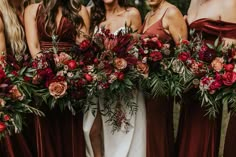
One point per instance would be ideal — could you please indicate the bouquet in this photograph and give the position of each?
(160, 78)
(56, 76)
(15, 95)
(116, 74)
(212, 70)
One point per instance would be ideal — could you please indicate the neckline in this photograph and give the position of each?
(208, 19)
(149, 26)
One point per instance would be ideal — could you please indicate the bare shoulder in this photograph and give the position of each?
(32, 9)
(89, 10)
(83, 10)
(173, 12)
(132, 12)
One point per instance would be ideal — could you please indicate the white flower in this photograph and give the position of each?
(70, 74)
(90, 68)
(144, 60)
(145, 51)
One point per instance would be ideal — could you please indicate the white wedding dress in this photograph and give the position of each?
(122, 143)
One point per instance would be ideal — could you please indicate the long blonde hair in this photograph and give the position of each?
(14, 32)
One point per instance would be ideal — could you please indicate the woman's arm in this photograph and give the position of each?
(175, 24)
(84, 30)
(31, 30)
(135, 19)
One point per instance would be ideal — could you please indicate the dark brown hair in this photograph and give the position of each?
(70, 9)
(98, 12)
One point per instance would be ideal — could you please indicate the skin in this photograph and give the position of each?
(116, 17)
(173, 21)
(213, 9)
(32, 32)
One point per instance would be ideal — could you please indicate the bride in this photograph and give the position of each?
(100, 141)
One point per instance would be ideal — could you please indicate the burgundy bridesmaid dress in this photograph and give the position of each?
(198, 135)
(58, 134)
(159, 111)
(21, 144)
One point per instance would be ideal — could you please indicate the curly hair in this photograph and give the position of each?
(70, 9)
(98, 12)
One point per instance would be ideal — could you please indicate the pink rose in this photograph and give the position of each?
(16, 94)
(217, 64)
(143, 68)
(229, 78)
(2, 102)
(58, 89)
(184, 56)
(61, 59)
(120, 63)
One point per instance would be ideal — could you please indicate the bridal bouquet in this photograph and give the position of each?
(117, 73)
(157, 57)
(15, 95)
(212, 71)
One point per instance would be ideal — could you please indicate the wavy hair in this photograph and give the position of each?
(70, 9)
(14, 31)
(98, 12)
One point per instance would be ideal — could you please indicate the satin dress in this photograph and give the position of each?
(122, 143)
(58, 134)
(159, 110)
(199, 136)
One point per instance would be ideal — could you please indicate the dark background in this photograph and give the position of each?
(141, 5)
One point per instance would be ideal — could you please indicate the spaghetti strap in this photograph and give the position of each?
(38, 10)
(164, 13)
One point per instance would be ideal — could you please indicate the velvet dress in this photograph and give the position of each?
(159, 110)
(198, 135)
(58, 134)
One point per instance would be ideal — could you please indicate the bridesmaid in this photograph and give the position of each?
(12, 41)
(166, 21)
(59, 134)
(113, 15)
(198, 135)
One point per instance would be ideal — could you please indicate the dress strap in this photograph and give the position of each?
(164, 13)
(38, 10)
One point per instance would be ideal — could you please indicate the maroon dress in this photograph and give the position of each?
(58, 134)
(198, 135)
(21, 144)
(159, 111)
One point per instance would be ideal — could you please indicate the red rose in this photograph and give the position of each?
(2, 74)
(88, 77)
(184, 56)
(229, 67)
(27, 79)
(81, 82)
(120, 75)
(84, 44)
(14, 73)
(185, 42)
(2, 126)
(229, 78)
(215, 85)
(6, 117)
(156, 56)
(72, 64)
